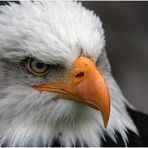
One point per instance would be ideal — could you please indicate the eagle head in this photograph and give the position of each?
(55, 77)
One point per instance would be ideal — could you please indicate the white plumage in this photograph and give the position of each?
(55, 33)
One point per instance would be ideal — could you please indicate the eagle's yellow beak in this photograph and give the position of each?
(85, 84)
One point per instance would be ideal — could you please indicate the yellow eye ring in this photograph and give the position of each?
(36, 67)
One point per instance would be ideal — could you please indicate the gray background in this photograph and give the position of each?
(126, 30)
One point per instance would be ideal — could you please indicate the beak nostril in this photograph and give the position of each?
(80, 74)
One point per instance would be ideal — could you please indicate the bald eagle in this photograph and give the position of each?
(56, 83)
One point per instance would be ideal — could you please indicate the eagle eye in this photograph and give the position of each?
(36, 67)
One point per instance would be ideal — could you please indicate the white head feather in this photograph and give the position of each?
(56, 33)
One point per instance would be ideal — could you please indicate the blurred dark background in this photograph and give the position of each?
(126, 30)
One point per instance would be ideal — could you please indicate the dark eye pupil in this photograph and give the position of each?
(39, 65)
